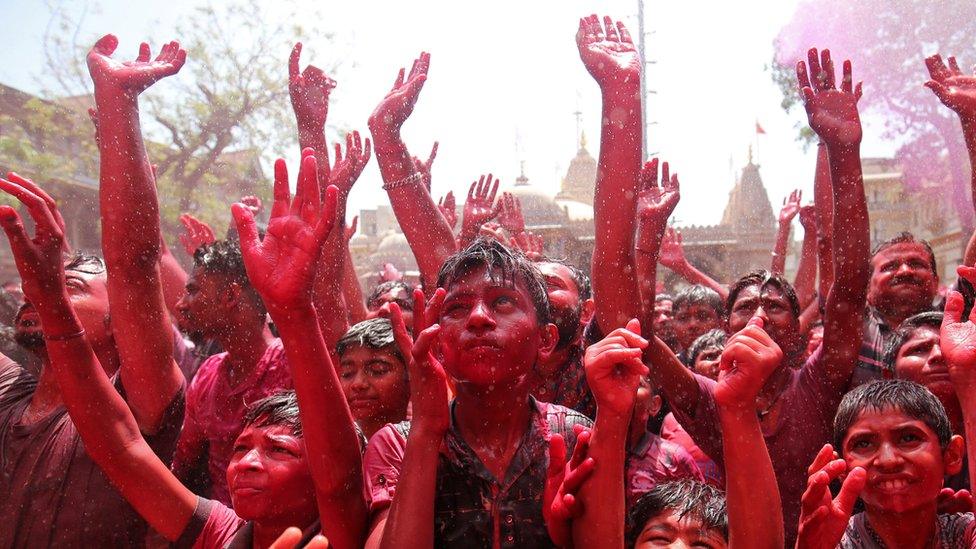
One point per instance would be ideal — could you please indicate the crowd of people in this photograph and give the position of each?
(510, 399)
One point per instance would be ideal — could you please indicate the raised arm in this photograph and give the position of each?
(655, 203)
(430, 238)
(673, 257)
(958, 92)
(479, 208)
(107, 426)
(352, 292)
(833, 115)
(754, 505)
(824, 518)
(791, 207)
(610, 57)
(823, 201)
(958, 341)
(309, 91)
(282, 269)
(130, 228)
(806, 271)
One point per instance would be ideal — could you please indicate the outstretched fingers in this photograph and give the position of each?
(282, 195)
(247, 229)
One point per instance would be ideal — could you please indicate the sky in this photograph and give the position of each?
(506, 79)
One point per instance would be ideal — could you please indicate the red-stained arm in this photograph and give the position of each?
(833, 115)
(172, 277)
(282, 270)
(609, 55)
(479, 208)
(430, 238)
(130, 228)
(791, 206)
(806, 271)
(823, 201)
(352, 292)
(958, 92)
(655, 203)
(959, 335)
(673, 257)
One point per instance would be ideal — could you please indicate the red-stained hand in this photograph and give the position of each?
(958, 340)
(791, 207)
(197, 234)
(346, 170)
(309, 91)
(749, 357)
(955, 89)
(494, 230)
(396, 107)
(531, 244)
(832, 113)
(52, 206)
(608, 52)
(563, 480)
(480, 206)
(93, 116)
(253, 203)
(672, 250)
(130, 78)
(292, 536)
(351, 229)
(39, 259)
(282, 266)
(448, 208)
(954, 501)
(428, 381)
(808, 218)
(656, 202)
(510, 216)
(822, 519)
(424, 167)
(614, 368)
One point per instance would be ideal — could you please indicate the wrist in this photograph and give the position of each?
(292, 314)
(742, 409)
(626, 88)
(612, 424)
(108, 97)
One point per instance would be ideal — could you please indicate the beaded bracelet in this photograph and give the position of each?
(412, 178)
(64, 337)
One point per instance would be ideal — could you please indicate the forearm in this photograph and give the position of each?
(330, 435)
(752, 494)
(614, 289)
(824, 207)
(690, 273)
(327, 294)
(411, 519)
(646, 253)
(806, 271)
(809, 315)
(172, 277)
(667, 372)
(352, 292)
(604, 503)
(779, 249)
(312, 136)
(969, 133)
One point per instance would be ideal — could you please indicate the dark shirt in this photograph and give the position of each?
(569, 387)
(470, 502)
(51, 493)
(872, 363)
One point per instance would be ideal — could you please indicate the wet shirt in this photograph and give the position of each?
(872, 362)
(794, 435)
(51, 493)
(955, 531)
(215, 410)
(654, 460)
(672, 431)
(569, 387)
(470, 503)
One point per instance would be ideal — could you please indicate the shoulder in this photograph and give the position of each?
(207, 374)
(212, 524)
(386, 446)
(14, 379)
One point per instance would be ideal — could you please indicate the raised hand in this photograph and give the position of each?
(954, 501)
(346, 170)
(750, 356)
(822, 519)
(253, 203)
(614, 368)
(808, 218)
(396, 107)
(39, 259)
(563, 480)
(309, 91)
(531, 244)
(791, 207)
(955, 89)
(608, 52)
(292, 536)
(282, 266)
(448, 208)
(130, 78)
(510, 216)
(656, 202)
(494, 230)
(424, 167)
(428, 381)
(958, 339)
(672, 250)
(832, 113)
(197, 233)
(52, 206)
(480, 206)
(351, 229)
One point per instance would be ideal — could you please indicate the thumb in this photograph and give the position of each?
(953, 308)
(756, 321)
(557, 455)
(851, 489)
(634, 326)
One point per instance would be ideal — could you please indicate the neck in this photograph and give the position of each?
(895, 313)
(47, 394)
(245, 344)
(369, 426)
(557, 358)
(496, 417)
(913, 529)
(775, 385)
(638, 426)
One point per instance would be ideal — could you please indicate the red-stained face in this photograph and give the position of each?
(396, 295)
(904, 463)
(664, 319)
(569, 314)
(920, 360)
(268, 476)
(770, 304)
(89, 299)
(200, 309)
(490, 334)
(669, 530)
(693, 320)
(707, 362)
(902, 274)
(375, 384)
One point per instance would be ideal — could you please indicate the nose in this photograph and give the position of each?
(761, 313)
(250, 461)
(888, 457)
(359, 382)
(904, 268)
(935, 355)
(480, 317)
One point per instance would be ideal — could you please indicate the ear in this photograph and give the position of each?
(548, 338)
(587, 309)
(654, 406)
(953, 455)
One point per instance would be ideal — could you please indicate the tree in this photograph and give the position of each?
(887, 42)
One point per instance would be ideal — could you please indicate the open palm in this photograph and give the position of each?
(955, 89)
(607, 51)
(132, 76)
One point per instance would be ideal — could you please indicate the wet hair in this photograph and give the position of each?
(504, 266)
(84, 263)
(406, 304)
(686, 498)
(278, 409)
(908, 397)
(663, 297)
(711, 338)
(763, 278)
(375, 333)
(931, 319)
(224, 257)
(697, 295)
(906, 237)
(582, 280)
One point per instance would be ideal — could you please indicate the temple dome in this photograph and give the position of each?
(538, 208)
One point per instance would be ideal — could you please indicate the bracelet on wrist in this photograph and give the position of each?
(64, 337)
(411, 179)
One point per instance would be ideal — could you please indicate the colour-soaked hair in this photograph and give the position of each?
(711, 338)
(686, 498)
(931, 319)
(907, 397)
(697, 295)
(664, 297)
(582, 280)
(84, 263)
(406, 303)
(278, 409)
(375, 333)
(504, 265)
(763, 278)
(906, 237)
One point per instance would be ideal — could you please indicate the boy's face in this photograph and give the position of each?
(707, 361)
(374, 382)
(664, 319)
(692, 320)
(668, 530)
(904, 462)
(920, 360)
(770, 304)
(490, 334)
(268, 476)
